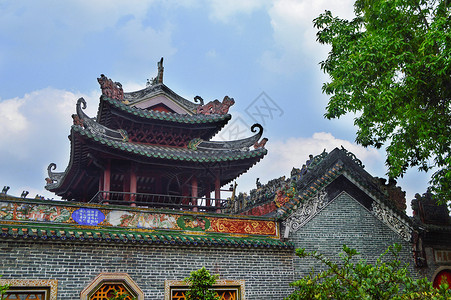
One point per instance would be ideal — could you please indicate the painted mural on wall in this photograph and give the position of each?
(86, 216)
(122, 218)
(33, 212)
(241, 226)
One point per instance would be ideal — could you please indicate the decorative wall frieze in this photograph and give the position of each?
(391, 220)
(306, 211)
(141, 219)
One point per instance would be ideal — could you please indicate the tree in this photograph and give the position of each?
(388, 278)
(201, 283)
(391, 65)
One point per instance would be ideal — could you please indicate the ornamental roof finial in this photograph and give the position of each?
(159, 78)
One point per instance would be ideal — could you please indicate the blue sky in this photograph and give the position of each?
(51, 53)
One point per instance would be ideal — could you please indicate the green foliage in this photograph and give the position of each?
(386, 279)
(120, 297)
(391, 65)
(3, 289)
(201, 283)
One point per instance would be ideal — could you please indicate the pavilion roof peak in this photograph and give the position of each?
(156, 93)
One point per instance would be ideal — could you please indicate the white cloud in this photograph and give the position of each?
(12, 121)
(293, 33)
(34, 134)
(59, 30)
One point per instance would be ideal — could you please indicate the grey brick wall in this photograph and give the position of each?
(267, 272)
(346, 221)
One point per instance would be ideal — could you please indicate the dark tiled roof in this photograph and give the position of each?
(156, 89)
(96, 235)
(171, 153)
(165, 116)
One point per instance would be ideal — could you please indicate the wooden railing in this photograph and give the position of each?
(162, 201)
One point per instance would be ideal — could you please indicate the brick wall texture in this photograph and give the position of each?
(267, 273)
(346, 221)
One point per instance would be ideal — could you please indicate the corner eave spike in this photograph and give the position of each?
(160, 71)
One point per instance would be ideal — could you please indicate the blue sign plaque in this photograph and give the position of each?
(88, 216)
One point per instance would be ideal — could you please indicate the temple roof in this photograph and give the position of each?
(162, 116)
(89, 138)
(170, 153)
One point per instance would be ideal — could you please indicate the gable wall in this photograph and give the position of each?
(345, 221)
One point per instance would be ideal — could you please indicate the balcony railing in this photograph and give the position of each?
(162, 201)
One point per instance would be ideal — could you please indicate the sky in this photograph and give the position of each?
(263, 54)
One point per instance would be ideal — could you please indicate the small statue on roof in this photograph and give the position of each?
(260, 144)
(111, 89)
(216, 107)
(257, 182)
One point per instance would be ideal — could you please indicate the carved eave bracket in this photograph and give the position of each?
(305, 212)
(389, 218)
(214, 107)
(243, 144)
(96, 128)
(53, 178)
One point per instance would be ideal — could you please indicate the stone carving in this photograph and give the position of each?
(314, 161)
(262, 194)
(216, 107)
(392, 221)
(305, 212)
(111, 89)
(353, 157)
(394, 193)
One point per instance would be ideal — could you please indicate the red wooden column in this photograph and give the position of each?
(194, 192)
(133, 185)
(218, 192)
(207, 194)
(107, 181)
